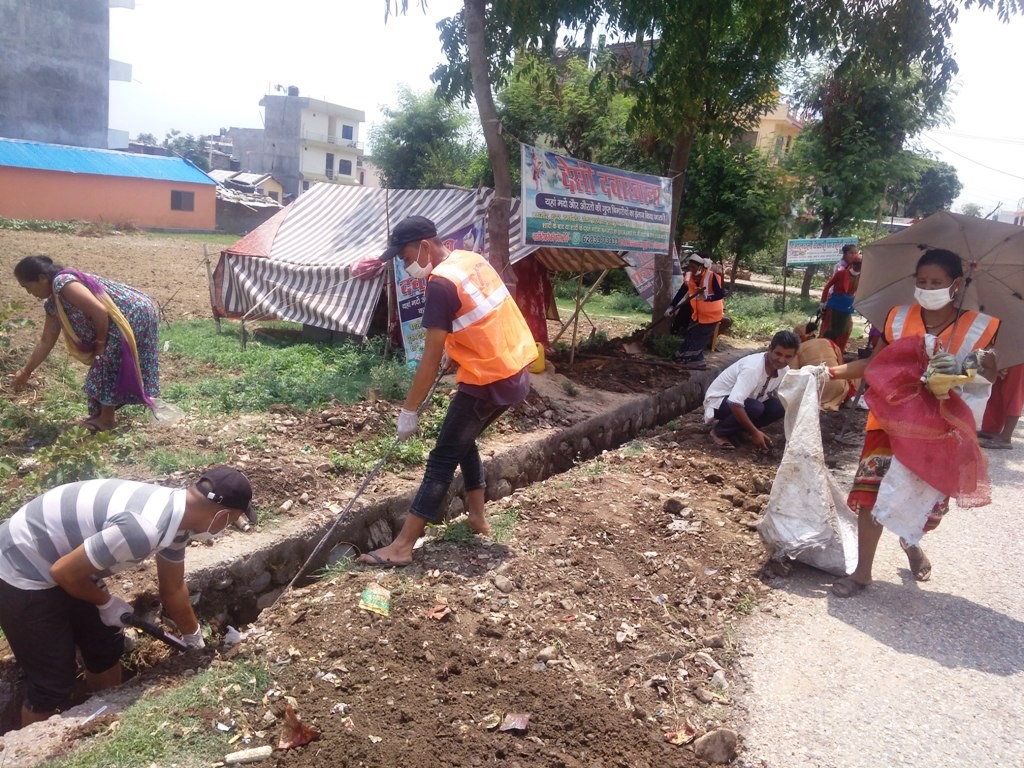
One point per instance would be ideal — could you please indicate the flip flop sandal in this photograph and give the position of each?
(725, 444)
(920, 565)
(998, 445)
(380, 562)
(847, 587)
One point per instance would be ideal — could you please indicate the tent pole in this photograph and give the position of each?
(389, 285)
(209, 282)
(579, 307)
(576, 319)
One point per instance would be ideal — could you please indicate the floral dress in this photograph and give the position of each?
(142, 315)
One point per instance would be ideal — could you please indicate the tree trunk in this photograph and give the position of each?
(827, 227)
(663, 262)
(497, 152)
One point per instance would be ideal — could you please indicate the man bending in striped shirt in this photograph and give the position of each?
(55, 550)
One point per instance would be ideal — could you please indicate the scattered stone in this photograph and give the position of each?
(547, 654)
(286, 506)
(503, 584)
(714, 641)
(718, 680)
(674, 505)
(714, 479)
(718, 746)
(304, 498)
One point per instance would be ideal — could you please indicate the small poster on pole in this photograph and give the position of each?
(816, 250)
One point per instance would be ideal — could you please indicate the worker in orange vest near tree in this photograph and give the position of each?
(468, 313)
(702, 288)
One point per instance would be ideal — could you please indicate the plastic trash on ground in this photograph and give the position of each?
(166, 413)
(807, 518)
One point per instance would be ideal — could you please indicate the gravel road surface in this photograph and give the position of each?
(905, 673)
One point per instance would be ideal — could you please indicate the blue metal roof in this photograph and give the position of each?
(102, 162)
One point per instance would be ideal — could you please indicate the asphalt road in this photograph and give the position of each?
(905, 673)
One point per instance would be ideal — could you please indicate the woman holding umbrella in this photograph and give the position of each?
(110, 327)
(919, 450)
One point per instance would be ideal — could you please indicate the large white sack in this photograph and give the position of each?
(807, 518)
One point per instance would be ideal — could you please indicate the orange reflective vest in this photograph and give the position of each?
(490, 339)
(971, 331)
(701, 310)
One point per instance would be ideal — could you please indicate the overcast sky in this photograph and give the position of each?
(202, 65)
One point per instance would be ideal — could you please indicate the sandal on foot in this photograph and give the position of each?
(847, 587)
(990, 442)
(920, 565)
(721, 442)
(376, 561)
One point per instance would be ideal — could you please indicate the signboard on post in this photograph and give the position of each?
(816, 250)
(640, 268)
(570, 203)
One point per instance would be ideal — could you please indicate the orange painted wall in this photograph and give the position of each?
(51, 195)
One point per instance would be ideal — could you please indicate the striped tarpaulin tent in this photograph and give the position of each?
(298, 264)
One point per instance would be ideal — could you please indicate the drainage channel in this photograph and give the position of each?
(242, 575)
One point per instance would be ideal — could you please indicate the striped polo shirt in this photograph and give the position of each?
(120, 523)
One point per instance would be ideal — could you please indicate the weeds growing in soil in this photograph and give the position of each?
(218, 376)
(163, 461)
(172, 727)
(503, 524)
(364, 455)
(746, 603)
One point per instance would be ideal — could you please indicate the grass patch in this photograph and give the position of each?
(760, 315)
(39, 225)
(214, 238)
(457, 533)
(364, 455)
(635, 448)
(503, 524)
(747, 603)
(173, 726)
(164, 461)
(218, 376)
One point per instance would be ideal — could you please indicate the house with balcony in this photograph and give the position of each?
(775, 132)
(303, 141)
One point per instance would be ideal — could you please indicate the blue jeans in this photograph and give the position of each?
(466, 418)
(761, 414)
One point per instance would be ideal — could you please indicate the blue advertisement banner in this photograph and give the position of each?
(574, 204)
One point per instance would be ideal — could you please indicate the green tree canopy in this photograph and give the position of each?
(735, 198)
(424, 143)
(189, 147)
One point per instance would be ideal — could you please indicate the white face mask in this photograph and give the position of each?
(415, 270)
(205, 537)
(933, 299)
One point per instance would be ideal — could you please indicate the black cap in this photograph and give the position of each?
(408, 230)
(230, 487)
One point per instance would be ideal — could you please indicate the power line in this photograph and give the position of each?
(992, 139)
(972, 160)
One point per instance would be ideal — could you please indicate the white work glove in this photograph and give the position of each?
(112, 610)
(943, 362)
(670, 311)
(407, 423)
(194, 640)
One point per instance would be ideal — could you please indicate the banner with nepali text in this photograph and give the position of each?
(570, 203)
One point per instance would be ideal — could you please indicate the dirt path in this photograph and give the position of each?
(917, 674)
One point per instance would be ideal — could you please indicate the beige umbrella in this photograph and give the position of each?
(992, 253)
